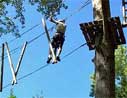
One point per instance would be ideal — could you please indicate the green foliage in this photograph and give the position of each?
(92, 91)
(7, 23)
(12, 94)
(49, 7)
(120, 71)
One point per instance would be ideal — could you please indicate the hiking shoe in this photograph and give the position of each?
(58, 58)
(48, 60)
(54, 62)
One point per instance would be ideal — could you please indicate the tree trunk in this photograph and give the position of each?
(104, 53)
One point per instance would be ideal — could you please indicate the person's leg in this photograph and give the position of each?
(58, 53)
(49, 56)
(59, 50)
(50, 53)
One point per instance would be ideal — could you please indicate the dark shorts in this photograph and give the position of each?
(57, 40)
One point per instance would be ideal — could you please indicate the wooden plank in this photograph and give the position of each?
(114, 34)
(90, 35)
(82, 26)
(85, 31)
(20, 60)
(10, 62)
(123, 11)
(91, 32)
(121, 34)
(49, 41)
(1, 68)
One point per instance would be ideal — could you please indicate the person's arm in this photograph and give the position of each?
(53, 20)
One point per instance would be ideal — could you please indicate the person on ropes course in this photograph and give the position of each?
(58, 38)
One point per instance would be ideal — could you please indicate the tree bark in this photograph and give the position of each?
(104, 53)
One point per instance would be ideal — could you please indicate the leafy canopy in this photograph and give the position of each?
(49, 7)
(8, 23)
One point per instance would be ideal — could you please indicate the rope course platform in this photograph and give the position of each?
(89, 31)
(93, 29)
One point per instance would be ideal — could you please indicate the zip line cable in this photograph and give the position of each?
(25, 32)
(73, 51)
(30, 29)
(79, 9)
(46, 65)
